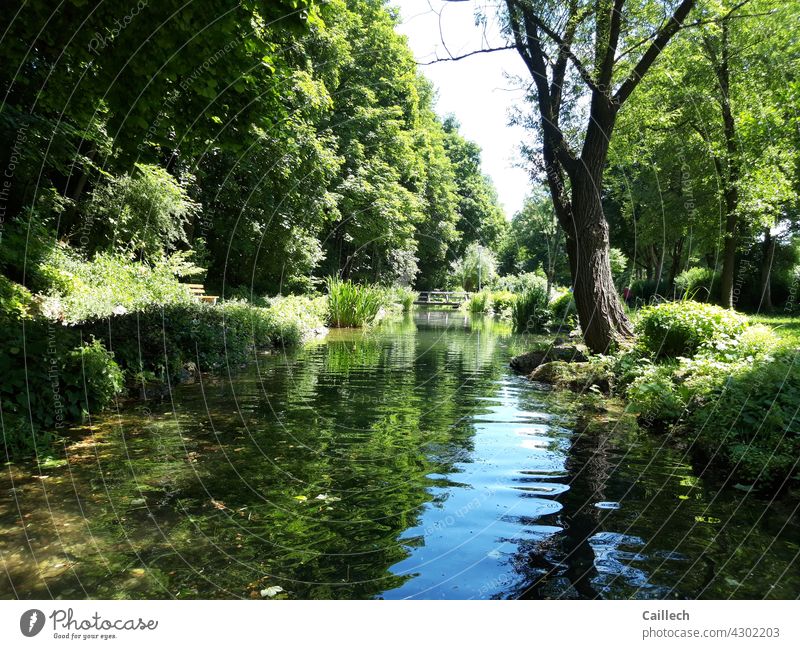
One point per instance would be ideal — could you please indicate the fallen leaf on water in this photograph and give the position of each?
(271, 591)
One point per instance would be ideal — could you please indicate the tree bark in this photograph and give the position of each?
(768, 248)
(729, 174)
(677, 253)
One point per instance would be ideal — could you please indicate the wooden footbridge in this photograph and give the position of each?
(442, 298)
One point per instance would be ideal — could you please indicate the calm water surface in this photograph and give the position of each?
(404, 462)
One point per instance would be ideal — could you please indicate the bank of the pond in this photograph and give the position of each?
(722, 387)
(56, 373)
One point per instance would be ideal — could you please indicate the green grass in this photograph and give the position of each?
(787, 328)
(480, 302)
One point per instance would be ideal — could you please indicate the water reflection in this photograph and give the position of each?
(405, 461)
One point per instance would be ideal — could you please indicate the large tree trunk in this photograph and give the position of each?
(677, 253)
(768, 248)
(600, 312)
(728, 173)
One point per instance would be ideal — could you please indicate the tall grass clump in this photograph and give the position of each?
(480, 302)
(352, 305)
(402, 296)
(530, 311)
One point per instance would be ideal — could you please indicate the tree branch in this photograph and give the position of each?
(488, 50)
(648, 58)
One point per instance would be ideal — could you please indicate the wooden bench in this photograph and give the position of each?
(199, 291)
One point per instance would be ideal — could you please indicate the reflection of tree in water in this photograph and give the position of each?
(584, 559)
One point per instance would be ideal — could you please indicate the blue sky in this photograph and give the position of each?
(476, 89)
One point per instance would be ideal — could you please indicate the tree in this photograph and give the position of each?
(601, 51)
(535, 240)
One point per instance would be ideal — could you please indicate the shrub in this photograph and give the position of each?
(91, 368)
(530, 311)
(352, 305)
(480, 302)
(654, 393)
(477, 266)
(563, 311)
(16, 301)
(646, 289)
(699, 284)
(79, 290)
(520, 283)
(145, 212)
(50, 379)
(680, 328)
(296, 318)
(402, 296)
(747, 418)
(503, 301)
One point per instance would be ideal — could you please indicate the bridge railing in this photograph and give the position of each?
(442, 297)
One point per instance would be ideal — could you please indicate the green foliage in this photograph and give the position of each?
(736, 399)
(619, 263)
(530, 311)
(476, 269)
(352, 305)
(480, 302)
(50, 379)
(564, 313)
(402, 296)
(503, 301)
(675, 329)
(77, 289)
(699, 284)
(91, 367)
(749, 415)
(16, 301)
(144, 213)
(296, 318)
(535, 241)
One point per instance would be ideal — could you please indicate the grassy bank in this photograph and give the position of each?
(723, 385)
(96, 329)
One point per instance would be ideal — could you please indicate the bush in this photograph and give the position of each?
(91, 368)
(748, 418)
(49, 380)
(503, 301)
(646, 289)
(79, 290)
(352, 305)
(477, 266)
(480, 302)
(563, 312)
(16, 301)
(680, 328)
(296, 318)
(699, 284)
(530, 311)
(520, 283)
(402, 296)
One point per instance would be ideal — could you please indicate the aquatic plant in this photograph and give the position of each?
(352, 305)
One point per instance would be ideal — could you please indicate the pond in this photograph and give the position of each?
(407, 461)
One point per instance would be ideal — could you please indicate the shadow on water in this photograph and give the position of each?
(402, 462)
